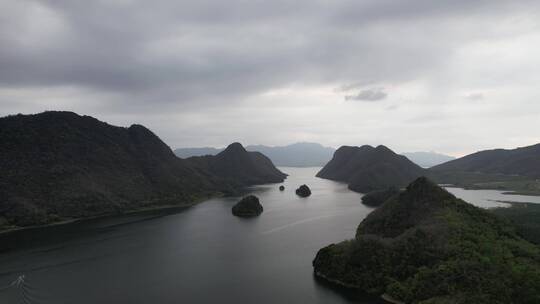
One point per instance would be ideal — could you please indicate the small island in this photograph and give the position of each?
(303, 191)
(377, 198)
(248, 206)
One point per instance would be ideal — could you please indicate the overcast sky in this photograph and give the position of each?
(450, 76)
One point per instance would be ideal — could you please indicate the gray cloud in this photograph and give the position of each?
(351, 86)
(198, 48)
(375, 94)
(474, 96)
(185, 67)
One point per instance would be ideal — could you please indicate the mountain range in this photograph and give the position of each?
(367, 169)
(294, 155)
(58, 166)
(427, 159)
(189, 152)
(309, 154)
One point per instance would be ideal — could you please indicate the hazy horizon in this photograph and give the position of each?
(294, 143)
(454, 77)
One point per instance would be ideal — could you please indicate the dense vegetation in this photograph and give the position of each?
(367, 168)
(58, 166)
(426, 246)
(526, 217)
(377, 198)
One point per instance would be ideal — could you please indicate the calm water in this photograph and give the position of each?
(491, 198)
(200, 255)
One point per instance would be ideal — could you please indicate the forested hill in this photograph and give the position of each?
(523, 161)
(235, 162)
(58, 166)
(367, 168)
(426, 246)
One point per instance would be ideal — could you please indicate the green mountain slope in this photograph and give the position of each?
(523, 161)
(58, 166)
(426, 246)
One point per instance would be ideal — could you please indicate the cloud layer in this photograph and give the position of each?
(211, 72)
(368, 95)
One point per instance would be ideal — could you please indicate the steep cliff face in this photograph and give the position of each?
(426, 246)
(367, 168)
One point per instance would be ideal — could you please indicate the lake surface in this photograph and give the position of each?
(203, 254)
(491, 198)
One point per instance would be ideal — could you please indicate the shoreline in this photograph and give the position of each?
(340, 284)
(523, 193)
(389, 299)
(102, 216)
(239, 192)
(515, 204)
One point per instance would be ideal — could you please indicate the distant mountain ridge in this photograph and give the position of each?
(427, 159)
(524, 161)
(58, 166)
(367, 168)
(294, 155)
(189, 152)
